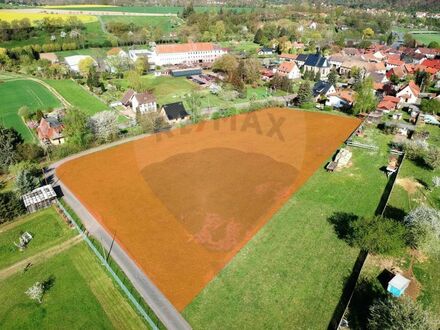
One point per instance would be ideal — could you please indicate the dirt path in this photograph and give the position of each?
(39, 257)
(52, 90)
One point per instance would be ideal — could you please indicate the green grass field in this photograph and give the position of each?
(426, 38)
(46, 228)
(166, 23)
(18, 93)
(94, 52)
(82, 295)
(77, 96)
(291, 274)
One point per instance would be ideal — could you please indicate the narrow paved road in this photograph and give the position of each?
(164, 310)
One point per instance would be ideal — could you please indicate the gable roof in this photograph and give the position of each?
(288, 56)
(317, 60)
(175, 111)
(127, 96)
(286, 67)
(114, 51)
(302, 57)
(52, 57)
(321, 87)
(145, 97)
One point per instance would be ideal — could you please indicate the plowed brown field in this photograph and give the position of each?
(183, 203)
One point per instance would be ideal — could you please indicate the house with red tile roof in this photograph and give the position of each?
(288, 57)
(50, 131)
(386, 106)
(188, 53)
(392, 63)
(409, 93)
(289, 70)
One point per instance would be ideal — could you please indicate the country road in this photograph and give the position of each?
(164, 310)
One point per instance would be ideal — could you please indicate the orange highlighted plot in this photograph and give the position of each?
(183, 203)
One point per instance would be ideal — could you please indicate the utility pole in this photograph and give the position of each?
(111, 247)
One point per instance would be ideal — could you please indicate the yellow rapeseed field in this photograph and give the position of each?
(7, 15)
(77, 6)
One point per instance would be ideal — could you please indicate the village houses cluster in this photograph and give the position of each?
(388, 67)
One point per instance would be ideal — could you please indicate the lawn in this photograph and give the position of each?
(94, 52)
(82, 296)
(291, 274)
(77, 96)
(46, 228)
(18, 93)
(166, 23)
(426, 38)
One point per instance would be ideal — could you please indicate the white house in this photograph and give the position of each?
(410, 93)
(289, 70)
(142, 102)
(189, 53)
(73, 61)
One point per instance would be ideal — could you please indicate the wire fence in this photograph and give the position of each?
(106, 264)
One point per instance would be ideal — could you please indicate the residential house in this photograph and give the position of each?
(301, 59)
(317, 63)
(392, 63)
(266, 51)
(323, 89)
(336, 60)
(73, 61)
(288, 57)
(116, 51)
(427, 52)
(174, 112)
(51, 57)
(143, 102)
(50, 131)
(409, 93)
(341, 99)
(289, 70)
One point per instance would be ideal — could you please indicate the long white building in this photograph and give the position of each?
(190, 53)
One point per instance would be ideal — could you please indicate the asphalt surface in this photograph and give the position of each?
(164, 310)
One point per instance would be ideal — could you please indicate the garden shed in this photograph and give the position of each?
(398, 285)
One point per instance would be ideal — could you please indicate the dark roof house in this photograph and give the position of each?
(321, 88)
(175, 111)
(317, 60)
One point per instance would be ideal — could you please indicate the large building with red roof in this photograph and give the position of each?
(189, 53)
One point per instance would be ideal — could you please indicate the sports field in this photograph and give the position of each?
(18, 93)
(183, 204)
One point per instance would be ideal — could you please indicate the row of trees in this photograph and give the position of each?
(22, 29)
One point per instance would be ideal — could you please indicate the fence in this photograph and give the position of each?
(127, 292)
(350, 285)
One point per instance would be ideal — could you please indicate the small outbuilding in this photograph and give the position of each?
(398, 285)
(175, 112)
(39, 198)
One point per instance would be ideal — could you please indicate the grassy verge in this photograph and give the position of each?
(295, 268)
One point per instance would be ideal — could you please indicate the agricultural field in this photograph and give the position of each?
(151, 9)
(77, 96)
(75, 280)
(18, 93)
(295, 268)
(10, 15)
(209, 226)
